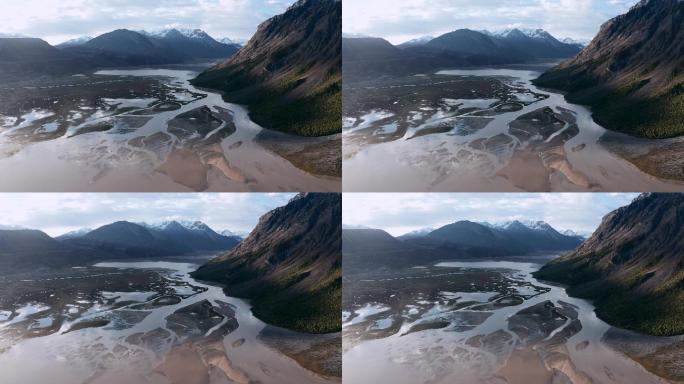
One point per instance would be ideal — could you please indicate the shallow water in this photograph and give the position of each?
(442, 355)
(431, 162)
(73, 357)
(93, 161)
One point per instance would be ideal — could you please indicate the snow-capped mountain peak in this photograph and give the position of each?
(422, 232)
(76, 42)
(75, 233)
(187, 32)
(418, 41)
(570, 232)
(187, 224)
(530, 224)
(528, 32)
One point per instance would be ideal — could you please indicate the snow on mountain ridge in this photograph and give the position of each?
(75, 233)
(531, 224)
(187, 224)
(529, 32)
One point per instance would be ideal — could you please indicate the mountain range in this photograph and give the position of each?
(20, 57)
(289, 73)
(632, 267)
(368, 56)
(375, 248)
(26, 248)
(290, 266)
(632, 73)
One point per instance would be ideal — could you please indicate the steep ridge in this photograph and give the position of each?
(632, 73)
(290, 265)
(289, 73)
(632, 266)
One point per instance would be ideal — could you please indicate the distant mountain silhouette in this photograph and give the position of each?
(374, 248)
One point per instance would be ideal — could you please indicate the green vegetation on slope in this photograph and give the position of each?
(317, 310)
(618, 109)
(315, 114)
(618, 301)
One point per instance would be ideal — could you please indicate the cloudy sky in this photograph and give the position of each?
(402, 20)
(56, 213)
(402, 213)
(59, 20)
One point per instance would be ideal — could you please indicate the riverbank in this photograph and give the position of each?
(128, 321)
(476, 322)
(481, 130)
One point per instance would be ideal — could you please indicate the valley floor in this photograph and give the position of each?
(148, 129)
(488, 322)
(147, 322)
(490, 130)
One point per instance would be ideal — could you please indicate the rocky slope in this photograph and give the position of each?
(289, 266)
(632, 266)
(290, 72)
(632, 73)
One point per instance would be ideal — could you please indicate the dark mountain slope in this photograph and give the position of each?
(632, 266)
(139, 241)
(290, 72)
(366, 58)
(514, 238)
(26, 249)
(632, 73)
(372, 249)
(34, 57)
(127, 42)
(31, 249)
(290, 265)
(367, 249)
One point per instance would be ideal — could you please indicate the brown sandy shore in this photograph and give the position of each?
(206, 360)
(662, 158)
(663, 356)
